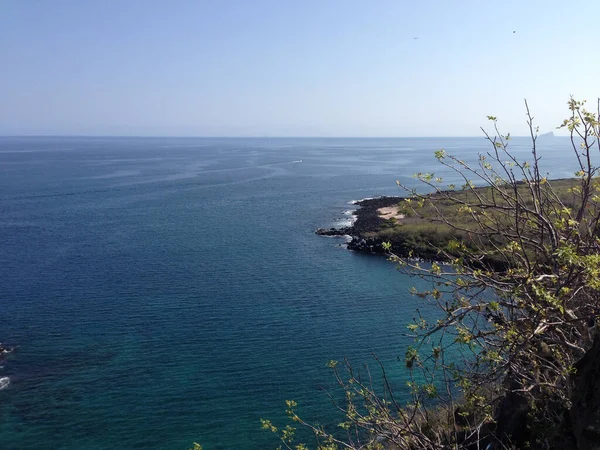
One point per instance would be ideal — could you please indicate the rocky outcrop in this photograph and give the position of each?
(367, 216)
(4, 350)
(367, 220)
(366, 245)
(344, 231)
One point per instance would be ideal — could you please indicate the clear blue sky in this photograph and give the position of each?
(292, 68)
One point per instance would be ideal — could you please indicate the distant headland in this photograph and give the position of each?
(424, 235)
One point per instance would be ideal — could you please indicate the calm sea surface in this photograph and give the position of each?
(165, 291)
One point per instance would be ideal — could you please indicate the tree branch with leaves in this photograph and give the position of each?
(518, 298)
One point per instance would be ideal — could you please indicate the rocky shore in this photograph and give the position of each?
(4, 350)
(379, 220)
(369, 220)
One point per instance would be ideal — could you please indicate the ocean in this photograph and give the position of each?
(161, 291)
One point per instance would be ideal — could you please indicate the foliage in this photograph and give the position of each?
(435, 221)
(518, 299)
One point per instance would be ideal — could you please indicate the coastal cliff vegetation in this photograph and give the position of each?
(512, 360)
(429, 226)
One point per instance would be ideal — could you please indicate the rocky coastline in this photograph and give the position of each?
(368, 219)
(377, 220)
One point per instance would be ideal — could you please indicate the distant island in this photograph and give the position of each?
(549, 134)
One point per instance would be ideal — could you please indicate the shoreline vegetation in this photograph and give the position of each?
(425, 234)
(511, 360)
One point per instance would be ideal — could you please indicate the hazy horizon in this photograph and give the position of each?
(67, 136)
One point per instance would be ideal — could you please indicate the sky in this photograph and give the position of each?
(327, 68)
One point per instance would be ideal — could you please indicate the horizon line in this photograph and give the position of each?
(242, 137)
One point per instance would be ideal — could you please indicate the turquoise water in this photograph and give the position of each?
(165, 291)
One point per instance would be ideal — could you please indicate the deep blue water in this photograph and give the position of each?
(165, 291)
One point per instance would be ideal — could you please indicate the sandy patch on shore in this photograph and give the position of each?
(390, 212)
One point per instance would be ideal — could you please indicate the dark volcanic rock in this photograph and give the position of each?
(367, 219)
(334, 231)
(5, 350)
(369, 245)
(585, 409)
